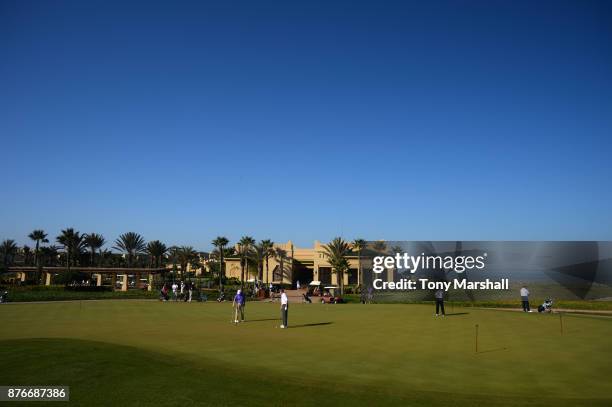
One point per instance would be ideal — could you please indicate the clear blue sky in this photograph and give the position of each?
(183, 121)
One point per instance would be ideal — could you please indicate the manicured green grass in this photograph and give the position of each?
(59, 293)
(144, 353)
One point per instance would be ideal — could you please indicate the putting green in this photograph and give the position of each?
(143, 352)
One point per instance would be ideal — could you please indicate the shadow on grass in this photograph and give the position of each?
(262, 319)
(457, 313)
(491, 350)
(307, 325)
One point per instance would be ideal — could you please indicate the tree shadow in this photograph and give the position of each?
(307, 325)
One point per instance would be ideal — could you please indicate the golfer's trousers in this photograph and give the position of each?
(284, 313)
(439, 305)
(525, 306)
(239, 313)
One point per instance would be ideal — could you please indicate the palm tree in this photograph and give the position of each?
(130, 243)
(48, 256)
(380, 246)
(72, 242)
(262, 253)
(358, 246)
(245, 248)
(281, 256)
(156, 250)
(269, 252)
(39, 236)
(8, 249)
(220, 242)
(336, 252)
(27, 255)
(186, 255)
(93, 241)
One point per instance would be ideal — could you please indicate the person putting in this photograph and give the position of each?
(440, 302)
(284, 308)
(525, 299)
(238, 304)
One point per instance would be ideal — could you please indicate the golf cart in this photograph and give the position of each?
(329, 296)
(314, 288)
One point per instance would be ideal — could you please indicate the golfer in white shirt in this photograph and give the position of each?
(284, 308)
(174, 291)
(525, 299)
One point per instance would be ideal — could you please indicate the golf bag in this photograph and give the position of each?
(221, 297)
(306, 298)
(4, 296)
(547, 306)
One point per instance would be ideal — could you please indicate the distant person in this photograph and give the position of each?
(284, 308)
(370, 294)
(184, 296)
(174, 292)
(525, 299)
(238, 305)
(271, 288)
(297, 284)
(164, 293)
(182, 289)
(190, 289)
(439, 302)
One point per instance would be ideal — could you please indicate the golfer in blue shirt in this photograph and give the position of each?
(238, 304)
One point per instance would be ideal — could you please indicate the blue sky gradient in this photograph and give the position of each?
(182, 121)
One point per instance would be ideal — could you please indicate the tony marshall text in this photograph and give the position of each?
(425, 284)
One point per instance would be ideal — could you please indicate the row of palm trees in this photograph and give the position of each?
(74, 243)
(132, 245)
(249, 252)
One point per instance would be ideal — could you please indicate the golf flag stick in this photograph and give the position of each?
(561, 321)
(476, 338)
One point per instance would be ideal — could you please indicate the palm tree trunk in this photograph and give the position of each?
(221, 269)
(267, 271)
(359, 268)
(38, 271)
(68, 259)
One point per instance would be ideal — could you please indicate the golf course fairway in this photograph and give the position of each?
(179, 354)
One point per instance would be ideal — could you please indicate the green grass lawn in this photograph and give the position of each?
(144, 353)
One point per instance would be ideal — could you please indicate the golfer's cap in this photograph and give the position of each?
(239, 291)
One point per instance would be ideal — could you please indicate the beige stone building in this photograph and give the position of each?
(300, 264)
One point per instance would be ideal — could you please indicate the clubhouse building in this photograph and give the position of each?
(300, 264)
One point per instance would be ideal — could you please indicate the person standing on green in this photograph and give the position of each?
(284, 309)
(238, 304)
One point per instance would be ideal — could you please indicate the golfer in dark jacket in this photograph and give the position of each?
(440, 302)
